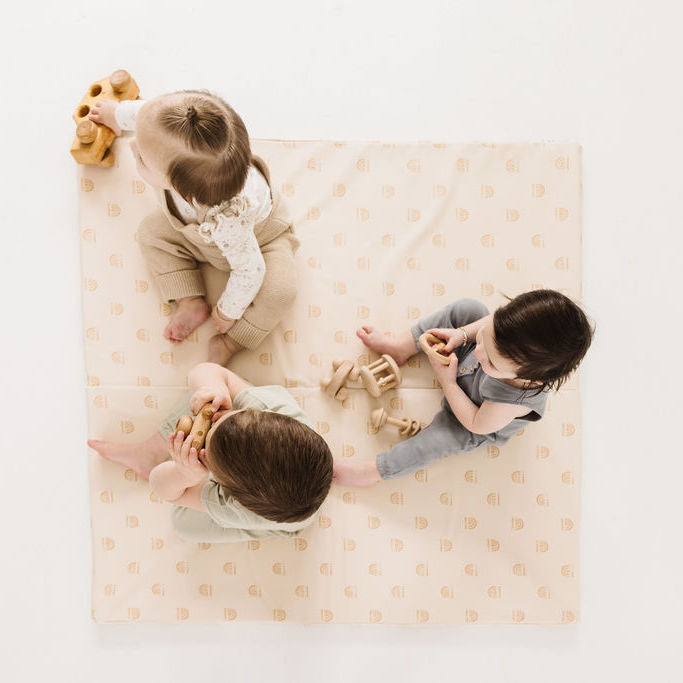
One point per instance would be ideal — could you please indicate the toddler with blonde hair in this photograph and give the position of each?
(216, 207)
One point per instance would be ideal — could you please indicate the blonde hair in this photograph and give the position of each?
(215, 167)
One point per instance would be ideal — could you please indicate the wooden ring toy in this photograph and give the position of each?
(433, 347)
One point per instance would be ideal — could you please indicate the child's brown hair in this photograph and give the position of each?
(545, 333)
(215, 169)
(272, 464)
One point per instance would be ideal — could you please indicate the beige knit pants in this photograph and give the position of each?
(174, 256)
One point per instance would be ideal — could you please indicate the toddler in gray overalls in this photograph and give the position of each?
(507, 363)
(446, 435)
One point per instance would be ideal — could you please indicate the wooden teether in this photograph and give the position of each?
(334, 386)
(197, 427)
(433, 347)
(406, 426)
(92, 142)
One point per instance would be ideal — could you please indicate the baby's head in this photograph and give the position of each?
(539, 336)
(194, 142)
(272, 464)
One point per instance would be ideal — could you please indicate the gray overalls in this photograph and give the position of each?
(446, 435)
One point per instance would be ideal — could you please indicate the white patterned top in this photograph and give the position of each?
(229, 225)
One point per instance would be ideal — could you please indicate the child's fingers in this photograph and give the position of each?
(187, 446)
(217, 402)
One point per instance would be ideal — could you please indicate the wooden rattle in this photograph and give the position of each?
(380, 375)
(406, 426)
(92, 143)
(433, 347)
(377, 377)
(197, 427)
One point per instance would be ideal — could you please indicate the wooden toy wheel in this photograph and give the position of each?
(334, 385)
(433, 347)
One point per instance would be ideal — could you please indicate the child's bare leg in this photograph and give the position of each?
(140, 457)
(190, 313)
(222, 348)
(355, 473)
(400, 348)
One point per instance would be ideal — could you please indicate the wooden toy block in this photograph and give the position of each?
(92, 143)
(198, 426)
(380, 375)
(433, 347)
(406, 426)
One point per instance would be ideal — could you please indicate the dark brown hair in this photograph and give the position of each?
(271, 463)
(545, 333)
(217, 161)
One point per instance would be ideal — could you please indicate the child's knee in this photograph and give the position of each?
(288, 293)
(151, 228)
(464, 311)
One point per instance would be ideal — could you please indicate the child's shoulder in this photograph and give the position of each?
(273, 398)
(497, 391)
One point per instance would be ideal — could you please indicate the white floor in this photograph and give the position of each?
(605, 73)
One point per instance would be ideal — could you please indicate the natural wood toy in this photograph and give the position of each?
(380, 375)
(406, 426)
(334, 386)
(433, 347)
(377, 377)
(92, 143)
(197, 427)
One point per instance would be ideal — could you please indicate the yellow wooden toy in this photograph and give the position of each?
(92, 142)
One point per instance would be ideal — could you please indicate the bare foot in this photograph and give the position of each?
(140, 457)
(191, 312)
(222, 348)
(400, 349)
(362, 473)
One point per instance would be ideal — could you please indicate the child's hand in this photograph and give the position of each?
(102, 112)
(446, 374)
(217, 396)
(453, 337)
(186, 459)
(222, 323)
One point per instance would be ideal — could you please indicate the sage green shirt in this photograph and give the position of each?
(219, 505)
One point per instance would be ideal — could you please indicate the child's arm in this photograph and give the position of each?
(247, 271)
(116, 115)
(180, 480)
(212, 383)
(485, 419)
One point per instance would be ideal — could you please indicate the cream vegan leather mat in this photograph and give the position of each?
(388, 233)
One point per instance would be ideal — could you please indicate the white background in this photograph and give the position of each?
(601, 72)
